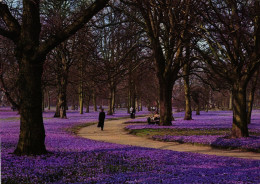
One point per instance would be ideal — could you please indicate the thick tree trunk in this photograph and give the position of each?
(32, 133)
(165, 103)
(188, 112)
(239, 127)
(30, 56)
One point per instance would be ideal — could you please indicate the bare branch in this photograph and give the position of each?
(55, 40)
(12, 24)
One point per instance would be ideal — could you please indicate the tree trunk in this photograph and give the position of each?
(95, 101)
(62, 98)
(62, 84)
(141, 105)
(111, 101)
(239, 127)
(30, 56)
(165, 103)
(207, 108)
(250, 106)
(198, 108)
(188, 112)
(251, 96)
(129, 100)
(43, 103)
(137, 104)
(230, 101)
(49, 100)
(149, 107)
(32, 133)
(87, 103)
(81, 98)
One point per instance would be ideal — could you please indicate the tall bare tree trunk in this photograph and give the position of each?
(251, 96)
(141, 105)
(81, 98)
(94, 101)
(111, 101)
(43, 102)
(62, 98)
(49, 100)
(87, 103)
(230, 107)
(239, 127)
(198, 108)
(129, 100)
(188, 112)
(62, 84)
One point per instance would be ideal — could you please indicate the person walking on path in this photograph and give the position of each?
(101, 119)
(133, 116)
(132, 112)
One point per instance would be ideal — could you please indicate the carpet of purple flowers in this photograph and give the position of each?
(78, 160)
(206, 121)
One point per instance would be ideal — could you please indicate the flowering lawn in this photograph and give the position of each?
(77, 160)
(209, 128)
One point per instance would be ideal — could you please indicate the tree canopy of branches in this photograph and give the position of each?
(31, 49)
(230, 33)
(166, 24)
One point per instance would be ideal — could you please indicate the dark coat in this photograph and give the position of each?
(101, 119)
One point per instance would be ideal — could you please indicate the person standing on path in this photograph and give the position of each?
(101, 119)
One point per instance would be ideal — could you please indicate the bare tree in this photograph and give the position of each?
(230, 46)
(166, 24)
(30, 52)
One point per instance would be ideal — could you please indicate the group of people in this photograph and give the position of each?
(102, 116)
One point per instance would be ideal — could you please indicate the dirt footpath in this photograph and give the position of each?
(114, 132)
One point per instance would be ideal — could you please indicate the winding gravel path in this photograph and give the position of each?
(114, 132)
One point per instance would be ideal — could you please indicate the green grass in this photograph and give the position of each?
(181, 132)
